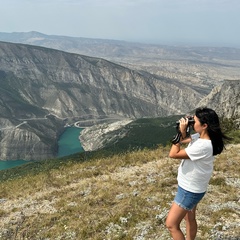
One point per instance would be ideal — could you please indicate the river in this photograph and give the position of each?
(68, 144)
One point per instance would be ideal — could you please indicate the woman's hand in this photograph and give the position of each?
(175, 151)
(183, 124)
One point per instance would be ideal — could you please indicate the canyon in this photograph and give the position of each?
(44, 90)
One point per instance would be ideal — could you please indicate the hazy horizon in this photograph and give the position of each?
(185, 22)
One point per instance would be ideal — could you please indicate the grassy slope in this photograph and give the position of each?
(124, 196)
(114, 193)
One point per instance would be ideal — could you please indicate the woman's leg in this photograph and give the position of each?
(174, 218)
(191, 224)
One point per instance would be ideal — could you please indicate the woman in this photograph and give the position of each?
(195, 169)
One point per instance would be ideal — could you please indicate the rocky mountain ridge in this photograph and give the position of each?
(43, 89)
(200, 67)
(46, 89)
(225, 99)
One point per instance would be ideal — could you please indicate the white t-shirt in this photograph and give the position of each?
(194, 173)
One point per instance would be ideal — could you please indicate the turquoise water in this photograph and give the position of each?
(11, 164)
(68, 144)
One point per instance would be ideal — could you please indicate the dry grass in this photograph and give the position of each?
(123, 197)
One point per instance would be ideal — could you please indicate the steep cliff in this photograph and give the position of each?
(225, 99)
(200, 67)
(37, 82)
(70, 85)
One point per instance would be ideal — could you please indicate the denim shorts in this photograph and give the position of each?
(186, 199)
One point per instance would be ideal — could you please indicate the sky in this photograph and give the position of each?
(197, 22)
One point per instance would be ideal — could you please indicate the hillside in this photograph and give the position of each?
(149, 132)
(225, 99)
(200, 67)
(42, 89)
(136, 134)
(124, 196)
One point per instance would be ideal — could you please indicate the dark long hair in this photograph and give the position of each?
(210, 117)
